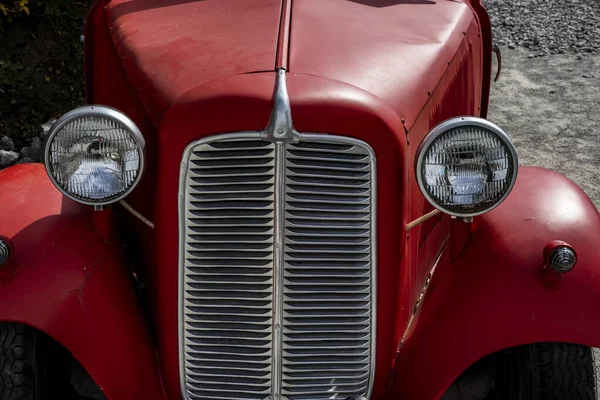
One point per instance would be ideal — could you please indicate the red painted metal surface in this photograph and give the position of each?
(457, 93)
(398, 51)
(169, 47)
(485, 27)
(71, 284)
(486, 41)
(491, 297)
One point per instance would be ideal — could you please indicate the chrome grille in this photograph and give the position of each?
(248, 331)
(327, 290)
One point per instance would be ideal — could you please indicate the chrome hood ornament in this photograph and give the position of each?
(281, 127)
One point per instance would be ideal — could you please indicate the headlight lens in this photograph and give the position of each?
(466, 166)
(95, 155)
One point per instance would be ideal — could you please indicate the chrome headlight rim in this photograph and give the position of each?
(102, 112)
(450, 125)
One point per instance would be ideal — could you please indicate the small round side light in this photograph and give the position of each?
(5, 251)
(560, 257)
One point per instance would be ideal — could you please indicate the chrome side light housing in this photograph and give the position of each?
(5, 251)
(95, 155)
(466, 166)
(560, 257)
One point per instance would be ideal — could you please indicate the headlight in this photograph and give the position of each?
(466, 166)
(95, 155)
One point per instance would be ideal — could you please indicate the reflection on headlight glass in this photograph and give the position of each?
(467, 170)
(94, 158)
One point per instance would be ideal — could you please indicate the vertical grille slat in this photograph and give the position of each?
(250, 208)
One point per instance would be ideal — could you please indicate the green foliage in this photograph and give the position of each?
(41, 62)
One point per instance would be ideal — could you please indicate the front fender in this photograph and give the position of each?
(492, 297)
(73, 285)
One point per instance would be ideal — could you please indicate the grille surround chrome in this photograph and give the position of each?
(279, 245)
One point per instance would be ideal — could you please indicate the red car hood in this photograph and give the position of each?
(397, 50)
(171, 46)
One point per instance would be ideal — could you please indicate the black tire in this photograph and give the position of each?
(17, 362)
(555, 371)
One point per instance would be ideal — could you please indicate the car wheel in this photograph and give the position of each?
(17, 362)
(552, 371)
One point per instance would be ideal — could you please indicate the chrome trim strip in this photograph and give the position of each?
(278, 261)
(280, 130)
(136, 214)
(423, 293)
(374, 216)
(454, 123)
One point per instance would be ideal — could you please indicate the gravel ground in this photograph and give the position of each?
(548, 96)
(551, 108)
(547, 26)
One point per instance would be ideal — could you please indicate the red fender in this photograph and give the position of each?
(492, 297)
(73, 285)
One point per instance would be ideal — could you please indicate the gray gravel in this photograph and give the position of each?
(596, 357)
(46, 128)
(6, 143)
(28, 154)
(546, 26)
(8, 158)
(33, 152)
(25, 160)
(550, 106)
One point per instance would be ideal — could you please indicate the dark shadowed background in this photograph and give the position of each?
(41, 63)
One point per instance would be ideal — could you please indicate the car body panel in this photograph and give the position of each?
(169, 47)
(492, 296)
(70, 283)
(396, 50)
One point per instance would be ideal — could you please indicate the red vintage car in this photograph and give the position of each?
(292, 200)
